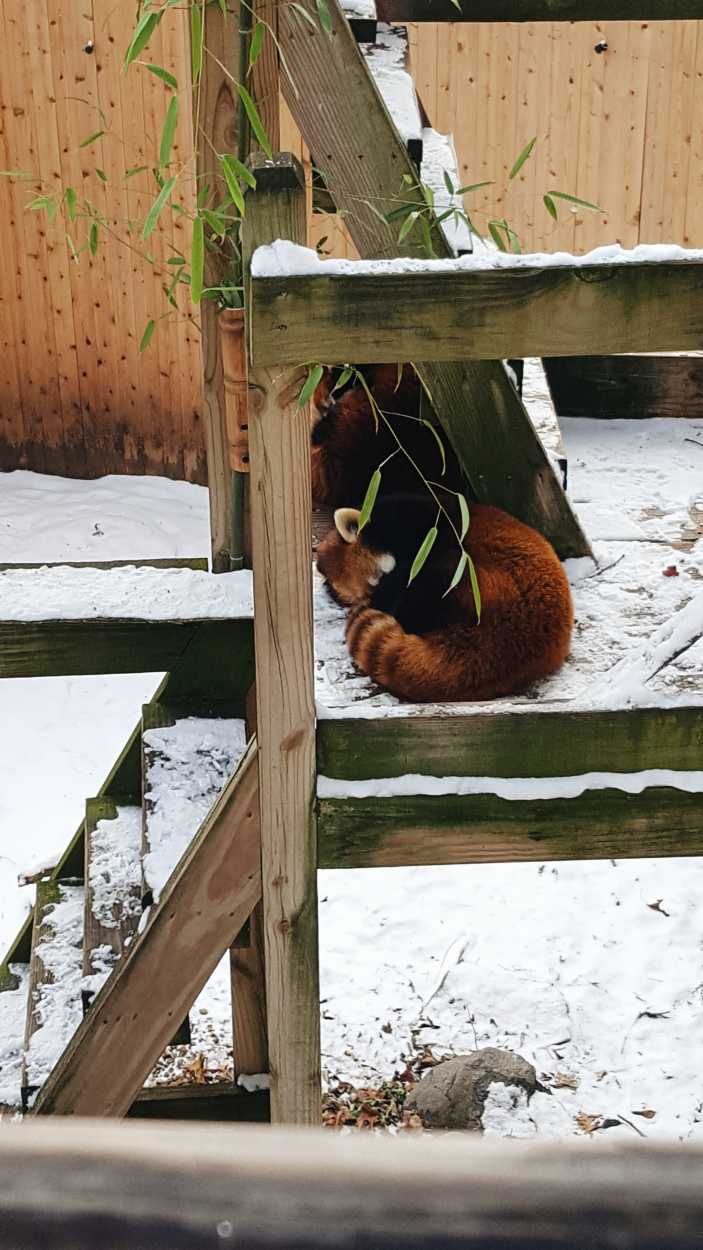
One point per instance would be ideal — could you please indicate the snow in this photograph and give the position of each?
(252, 1084)
(512, 788)
(144, 594)
(360, 10)
(13, 1010)
(386, 60)
(115, 867)
(187, 767)
(438, 156)
(58, 1007)
(284, 259)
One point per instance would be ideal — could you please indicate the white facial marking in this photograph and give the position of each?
(373, 581)
(386, 563)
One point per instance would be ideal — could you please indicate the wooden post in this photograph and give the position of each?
(214, 121)
(282, 548)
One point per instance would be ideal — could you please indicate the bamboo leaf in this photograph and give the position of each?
(472, 186)
(147, 335)
(475, 590)
(574, 199)
(71, 203)
(254, 120)
(465, 518)
(448, 182)
(425, 548)
(245, 175)
(524, 155)
(15, 173)
(550, 206)
(159, 202)
(494, 231)
(343, 378)
(428, 194)
(144, 30)
(439, 443)
(97, 134)
(93, 238)
(197, 261)
(407, 225)
(303, 13)
(164, 75)
(168, 132)
(458, 573)
(324, 15)
(369, 499)
(197, 25)
(101, 175)
(232, 185)
(136, 169)
(427, 236)
(257, 42)
(315, 372)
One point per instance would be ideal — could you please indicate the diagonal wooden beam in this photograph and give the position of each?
(208, 898)
(366, 168)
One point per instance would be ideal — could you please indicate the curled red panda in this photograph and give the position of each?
(427, 646)
(348, 443)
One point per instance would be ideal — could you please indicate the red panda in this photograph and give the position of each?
(427, 646)
(348, 443)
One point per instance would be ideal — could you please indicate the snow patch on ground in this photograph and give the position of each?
(144, 594)
(188, 766)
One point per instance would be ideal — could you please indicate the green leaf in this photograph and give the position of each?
(574, 199)
(257, 42)
(71, 203)
(448, 182)
(324, 15)
(93, 238)
(232, 185)
(522, 158)
(147, 335)
(303, 13)
(97, 134)
(464, 511)
(369, 499)
(458, 573)
(217, 224)
(494, 231)
(343, 378)
(145, 28)
(427, 194)
(475, 589)
(72, 247)
(136, 169)
(168, 132)
(473, 186)
(425, 548)
(164, 75)
(197, 25)
(197, 261)
(550, 206)
(427, 236)
(439, 443)
(153, 214)
(254, 120)
(176, 260)
(407, 225)
(101, 175)
(15, 173)
(513, 241)
(315, 372)
(244, 175)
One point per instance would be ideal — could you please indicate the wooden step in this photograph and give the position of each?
(54, 1008)
(537, 398)
(387, 61)
(113, 888)
(438, 158)
(361, 16)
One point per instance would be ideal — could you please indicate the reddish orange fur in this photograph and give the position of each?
(526, 620)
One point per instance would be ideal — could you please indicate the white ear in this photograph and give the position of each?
(347, 522)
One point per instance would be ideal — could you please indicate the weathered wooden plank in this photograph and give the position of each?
(283, 626)
(249, 1026)
(556, 311)
(537, 10)
(484, 829)
(367, 170)
(220, 1101)
(265, 1188)
(75, 648)
(199, 563)
(495, 744)
(627, 386)
(215, 888)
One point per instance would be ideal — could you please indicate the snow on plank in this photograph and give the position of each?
(113, 887)
(438, 158)
(54, 1005)
(13, 1012)
(386, 60)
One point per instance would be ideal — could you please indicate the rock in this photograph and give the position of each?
(453, 1093)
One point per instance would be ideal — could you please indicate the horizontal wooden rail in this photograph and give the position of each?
(478, 314)
(485, 829)
(64, 648)
(90, 1186)
(538, 10)
(555, 743)
(627, 386)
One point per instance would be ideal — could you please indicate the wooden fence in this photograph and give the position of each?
(622, 128)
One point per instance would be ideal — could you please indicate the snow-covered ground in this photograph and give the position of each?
(591, 970)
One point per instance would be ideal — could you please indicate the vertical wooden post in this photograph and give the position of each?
(282, 551)
(215, 120)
